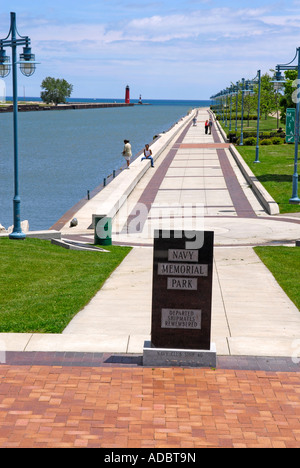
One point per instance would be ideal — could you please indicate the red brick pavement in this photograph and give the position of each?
(204, 145)
(114, 407)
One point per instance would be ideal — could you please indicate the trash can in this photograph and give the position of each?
(232, 137)
(103, 230)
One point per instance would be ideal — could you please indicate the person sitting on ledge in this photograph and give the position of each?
(148, 155)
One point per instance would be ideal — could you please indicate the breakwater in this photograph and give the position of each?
(69, 106)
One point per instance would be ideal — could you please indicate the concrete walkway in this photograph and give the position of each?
(196, 184)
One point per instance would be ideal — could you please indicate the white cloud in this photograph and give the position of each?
(290, 20)
(217, 22)
(158, 42)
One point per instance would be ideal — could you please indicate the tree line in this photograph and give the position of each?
(272, 100)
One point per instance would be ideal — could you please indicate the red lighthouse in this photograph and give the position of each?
(127, 95)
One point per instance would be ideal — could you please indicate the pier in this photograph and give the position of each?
(32, 107)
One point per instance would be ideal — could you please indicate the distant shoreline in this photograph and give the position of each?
(36, 106)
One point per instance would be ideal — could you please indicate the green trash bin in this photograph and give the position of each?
(103, 230)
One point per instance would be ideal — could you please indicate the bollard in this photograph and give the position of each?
(103, 230)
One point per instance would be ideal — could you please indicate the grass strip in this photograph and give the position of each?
(275, 172)
(284, 264)
(44, 286)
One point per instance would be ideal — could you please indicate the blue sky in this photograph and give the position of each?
(164, 49)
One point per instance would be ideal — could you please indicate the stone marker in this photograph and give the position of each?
(179, 357)
(181, 302)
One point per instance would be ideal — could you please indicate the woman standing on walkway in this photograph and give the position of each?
(127, 153)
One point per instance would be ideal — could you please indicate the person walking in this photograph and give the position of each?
(206, 127)
(210, 123)
(127, 152)
(148, 155)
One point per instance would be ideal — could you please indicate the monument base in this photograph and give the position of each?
(179, 357)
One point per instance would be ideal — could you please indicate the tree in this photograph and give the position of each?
(268, 96)
(286, 101)
(56, 90)
(250, 105)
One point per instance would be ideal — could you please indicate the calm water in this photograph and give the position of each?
(65, 153)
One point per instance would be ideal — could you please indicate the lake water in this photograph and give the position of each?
(63, 154)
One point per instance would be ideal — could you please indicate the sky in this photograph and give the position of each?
(162, 49)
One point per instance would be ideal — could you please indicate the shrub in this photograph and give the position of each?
(266, 142)
(277, 141)
(250, 141)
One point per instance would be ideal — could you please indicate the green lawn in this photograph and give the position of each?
(275, 172)
(265, 125)
(276, 167)
(284, 264)
(43, 286)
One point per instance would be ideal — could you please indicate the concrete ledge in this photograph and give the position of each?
(258, 189)
(279, 346)
(47, 235)
(224, 136)
(78, 343)
(179, 357)
(82, 246)
(44, 235)
(44, 342)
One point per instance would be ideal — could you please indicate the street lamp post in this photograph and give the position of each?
(226, 107)
(279, 79)
(230, 94)
(223, 107)
(27, 66)
(245, 91)
(258, 115)
(242, 116)
(236, 106)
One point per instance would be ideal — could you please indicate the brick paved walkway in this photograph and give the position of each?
(113, 407)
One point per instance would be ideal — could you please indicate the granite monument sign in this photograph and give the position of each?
(182, 290)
